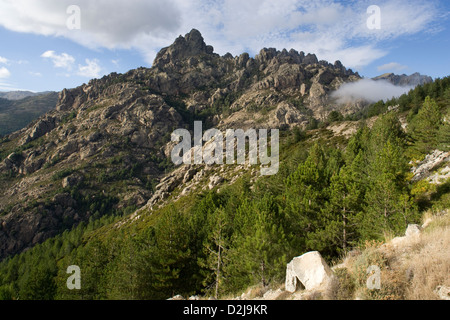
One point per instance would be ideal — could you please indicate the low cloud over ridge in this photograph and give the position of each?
(368, 90)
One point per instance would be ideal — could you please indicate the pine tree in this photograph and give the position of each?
(93, 261)
(215, 250)
(173, 267)
(339, 214)
(444, 133)
(258, 250)
(386, 194)
(386, 128)
(38, 284)
(425, 126)
(304, 196)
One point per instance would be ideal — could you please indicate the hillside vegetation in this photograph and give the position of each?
(91, 183)
(331, 195)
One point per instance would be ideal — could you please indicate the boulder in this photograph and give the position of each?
(72, 181)
(412, 234)
(443, 292)
(310, 269)
(413, 230)
(177, 298)
(42, 127)
(214, 181)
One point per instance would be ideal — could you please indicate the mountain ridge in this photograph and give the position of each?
(412, 80)
(21, 94)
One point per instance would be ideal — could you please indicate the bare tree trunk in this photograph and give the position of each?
(344, 231)
(218, 272)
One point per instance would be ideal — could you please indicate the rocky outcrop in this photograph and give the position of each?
(423, 169)
(72, 181)
(192, 45)
(412, 234)
(42, 127)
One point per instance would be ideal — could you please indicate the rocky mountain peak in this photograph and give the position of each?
(113, 134)
(192, 44)
(414, 79)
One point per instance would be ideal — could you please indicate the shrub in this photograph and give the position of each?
(62, 174)
(344, 285)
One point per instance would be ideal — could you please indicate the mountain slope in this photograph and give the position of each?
(19, 95)
(91, 183)
(16, 114)
(111, 134)
(105, 146)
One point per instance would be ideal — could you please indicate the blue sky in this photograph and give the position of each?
(39, 52)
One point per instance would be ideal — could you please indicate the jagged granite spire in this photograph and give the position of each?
(192, 44)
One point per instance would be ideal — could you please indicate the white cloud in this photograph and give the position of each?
(393, 66)
(35, 74)
(63, 60)
(333, 30)
(369, 90)
(4, 60)
(92, 69)
(104, 23)
(4, 73)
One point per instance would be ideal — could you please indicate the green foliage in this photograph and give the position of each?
(345, 284)
(335, 116)
(424, 128)
(443, 134)
(69, 117)
(62, 174)
(313, 124)
(258, 250)
(324, 198)
(298, 135)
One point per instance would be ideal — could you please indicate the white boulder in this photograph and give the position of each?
(310, 269)
(413, 230)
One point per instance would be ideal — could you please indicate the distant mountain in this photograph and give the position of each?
(19, 95)
(404, 80)
(17, 114)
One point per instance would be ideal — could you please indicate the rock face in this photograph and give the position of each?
(423, 169)
(310, 269)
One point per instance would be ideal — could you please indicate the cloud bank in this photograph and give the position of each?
(368, 90)
(334, 30)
